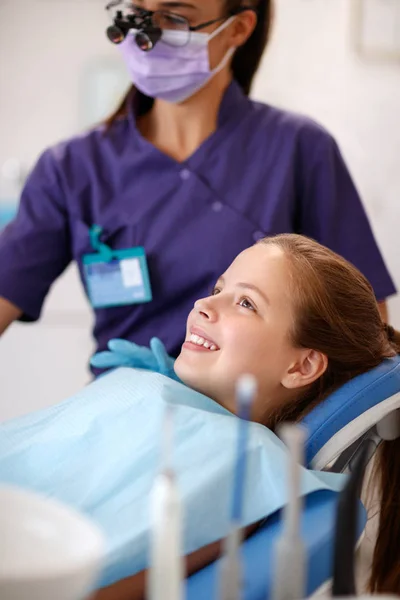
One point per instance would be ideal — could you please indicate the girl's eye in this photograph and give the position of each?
(215, 291)
(245, 303)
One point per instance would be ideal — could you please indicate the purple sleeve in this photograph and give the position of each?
(35, 248)
(333, 214)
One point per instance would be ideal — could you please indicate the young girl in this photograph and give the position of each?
(303, 321)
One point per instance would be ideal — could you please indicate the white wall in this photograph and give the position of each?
(49, 53)
(312, 68)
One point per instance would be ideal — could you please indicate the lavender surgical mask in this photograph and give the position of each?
(171, 72)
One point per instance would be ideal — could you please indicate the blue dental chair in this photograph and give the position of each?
(365, 410)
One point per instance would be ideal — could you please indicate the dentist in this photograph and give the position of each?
(154, 204)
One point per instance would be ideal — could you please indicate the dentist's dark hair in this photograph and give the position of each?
(245, 62)
(247, 58)
(336, 313)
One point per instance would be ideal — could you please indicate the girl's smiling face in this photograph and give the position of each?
(244, 327)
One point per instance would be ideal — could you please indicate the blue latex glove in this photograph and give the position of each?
(122, 353)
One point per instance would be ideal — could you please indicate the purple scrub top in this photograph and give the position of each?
(264, 171)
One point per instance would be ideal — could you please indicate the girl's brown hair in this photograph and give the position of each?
(244, 64)
(337, 314)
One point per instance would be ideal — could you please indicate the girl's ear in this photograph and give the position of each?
(310, 366)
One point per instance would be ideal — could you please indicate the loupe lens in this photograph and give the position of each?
(146, 40)
(115, 34)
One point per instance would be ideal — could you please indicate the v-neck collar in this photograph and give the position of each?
(234, 105)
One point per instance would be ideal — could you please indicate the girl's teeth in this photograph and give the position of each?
(200, 341)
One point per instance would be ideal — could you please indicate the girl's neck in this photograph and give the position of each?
(178, 130)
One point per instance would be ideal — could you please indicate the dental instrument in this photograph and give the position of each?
(166, 575)
(231, 569)
(290, 559)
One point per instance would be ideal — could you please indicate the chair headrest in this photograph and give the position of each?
(356, 407)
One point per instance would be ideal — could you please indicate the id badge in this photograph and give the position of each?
(117, 277)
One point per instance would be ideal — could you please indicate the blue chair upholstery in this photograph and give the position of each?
(349, 403)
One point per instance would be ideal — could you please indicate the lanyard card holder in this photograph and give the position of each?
(115, 277)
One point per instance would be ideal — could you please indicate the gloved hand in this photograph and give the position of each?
(122, 353)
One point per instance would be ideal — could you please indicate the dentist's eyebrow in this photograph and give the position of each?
(177, 5)
(172, 4)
